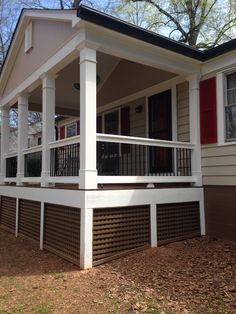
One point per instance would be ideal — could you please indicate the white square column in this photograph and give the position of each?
(22, 135)
(48, 127)
(5, 139)
(88, 109)
(194, 121)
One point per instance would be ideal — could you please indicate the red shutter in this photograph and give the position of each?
(125, 127)
(208, 115)
(62, 132)
(99, 124)
(78, 127)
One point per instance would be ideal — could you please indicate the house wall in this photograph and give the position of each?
(48, 37)
(182, 93)
(220, 211)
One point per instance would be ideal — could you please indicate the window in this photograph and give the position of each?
(111, 121)
(39, 140)
(71, 130)
(230, 107)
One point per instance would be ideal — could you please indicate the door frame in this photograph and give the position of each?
(173, 89)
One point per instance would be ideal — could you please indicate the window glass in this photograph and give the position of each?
(230, 107)
(71, 130)
(112, 123)
(39, 140)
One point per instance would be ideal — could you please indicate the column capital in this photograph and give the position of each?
(48, 80)
(88, 54)
(193, 77)
(23, 99)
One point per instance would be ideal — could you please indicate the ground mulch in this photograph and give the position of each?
(192, 276)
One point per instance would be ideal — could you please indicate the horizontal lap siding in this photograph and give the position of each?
(8, 213)
(62, 231)
(118, 230)
(29, 219)
(219, 165)
(183, 133)
(177, 222)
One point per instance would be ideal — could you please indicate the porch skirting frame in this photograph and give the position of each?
(130, 201)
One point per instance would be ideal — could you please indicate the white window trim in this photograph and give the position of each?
(69, 125)
(221, 101)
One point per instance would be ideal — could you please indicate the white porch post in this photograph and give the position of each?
(86, 238)
(153, 219)
(22, 135)
(48, 133)
(5, 138)
(194, 120)
(88, 108)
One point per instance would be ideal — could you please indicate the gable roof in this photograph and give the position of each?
(99, 18)
(113, 23)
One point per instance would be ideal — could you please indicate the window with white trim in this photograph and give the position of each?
(71, 130)
(230, 107)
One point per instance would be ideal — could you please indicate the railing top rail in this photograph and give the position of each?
(9, 155)
(65, 142)
(34, 149)
(142, 141)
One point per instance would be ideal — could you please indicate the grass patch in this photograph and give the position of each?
(57, 276)
(42, 309)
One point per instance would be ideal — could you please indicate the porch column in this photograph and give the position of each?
(194, 120)
(5, 138)
(48, 119)
(22, 135)
(88, 108)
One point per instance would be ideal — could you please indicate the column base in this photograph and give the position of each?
(198, 178)
(87, 179)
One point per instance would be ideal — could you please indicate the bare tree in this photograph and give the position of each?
(199, 23)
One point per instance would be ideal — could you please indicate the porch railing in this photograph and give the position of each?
(132, 158)
(11, 165)
(33, 162)
(65, 157)
(122, 159)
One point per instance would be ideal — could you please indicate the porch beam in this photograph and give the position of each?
(88, 108)
(48, 116)
(194, 121)
(5, 134)
(22, 139)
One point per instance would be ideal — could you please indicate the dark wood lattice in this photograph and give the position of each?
(62, 231)
(29, 219)
(117, 231)
(8, 213)
(177, 222)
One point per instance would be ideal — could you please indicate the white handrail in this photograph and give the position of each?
(9, 155)
(142, 141)
(31, 150)
(111, 138)
(65, 142)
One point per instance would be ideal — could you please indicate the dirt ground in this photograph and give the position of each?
(194, 276)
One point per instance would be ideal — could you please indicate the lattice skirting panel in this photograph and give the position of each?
(117, 231)
(29, 219)
(177, 222)
(62, 231)
(8, 213)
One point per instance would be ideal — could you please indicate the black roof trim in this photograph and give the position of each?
(113, 23)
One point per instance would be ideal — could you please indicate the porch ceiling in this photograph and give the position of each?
(119, 78)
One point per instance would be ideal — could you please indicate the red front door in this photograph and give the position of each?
(160, 127)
